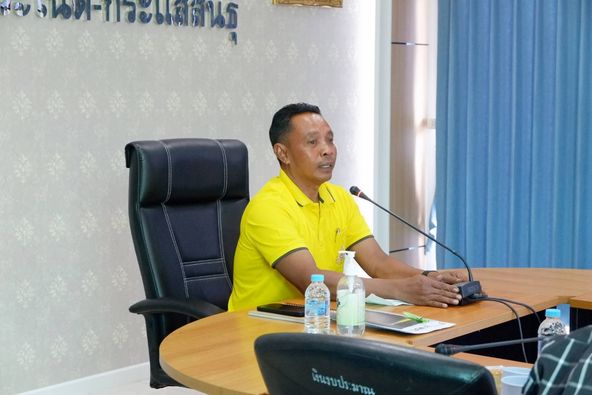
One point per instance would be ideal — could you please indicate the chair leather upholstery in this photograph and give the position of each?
(302, 363)
(186, 199)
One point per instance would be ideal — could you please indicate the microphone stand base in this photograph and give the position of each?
(470, 292)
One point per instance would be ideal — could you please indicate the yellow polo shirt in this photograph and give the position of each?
(281, 219)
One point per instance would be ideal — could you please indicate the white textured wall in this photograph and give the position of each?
(74, 92)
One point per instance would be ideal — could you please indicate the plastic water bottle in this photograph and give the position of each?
(351, 299)
(551, 326)
(317, 311)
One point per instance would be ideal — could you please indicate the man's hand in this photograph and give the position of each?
(454, 277)
(427, 291)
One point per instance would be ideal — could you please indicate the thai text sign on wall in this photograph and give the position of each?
(195, 13)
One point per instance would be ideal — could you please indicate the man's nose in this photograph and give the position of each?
(328, 149)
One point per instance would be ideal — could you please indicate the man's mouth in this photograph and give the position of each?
(326, 166)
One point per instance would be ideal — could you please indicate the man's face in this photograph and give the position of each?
(309, 153)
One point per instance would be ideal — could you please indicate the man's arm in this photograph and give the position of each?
(298, 266)
(408, 285)
(378, 264)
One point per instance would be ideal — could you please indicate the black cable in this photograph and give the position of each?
(499, 300)
(518, 303)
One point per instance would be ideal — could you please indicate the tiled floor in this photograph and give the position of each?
(143, 388)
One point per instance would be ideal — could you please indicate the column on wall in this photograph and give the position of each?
(412, 150)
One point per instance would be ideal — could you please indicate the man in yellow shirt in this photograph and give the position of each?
(297, 223)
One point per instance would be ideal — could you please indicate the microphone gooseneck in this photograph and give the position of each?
(470, 290)
(357, 192)
(450, 349)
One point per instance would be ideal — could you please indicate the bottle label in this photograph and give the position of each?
(351, 308)
(549, 328)
(316, 307)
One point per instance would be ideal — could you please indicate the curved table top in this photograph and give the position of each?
(583, 301)
(215, 354)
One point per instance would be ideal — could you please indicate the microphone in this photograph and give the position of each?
(450, 349)
(470, 291)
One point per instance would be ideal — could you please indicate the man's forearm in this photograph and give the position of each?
(393, 268)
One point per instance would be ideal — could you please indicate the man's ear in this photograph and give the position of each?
(281, 153)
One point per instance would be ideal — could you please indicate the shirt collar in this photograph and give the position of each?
(325, 195)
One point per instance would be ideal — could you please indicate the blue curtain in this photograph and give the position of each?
(514, 132)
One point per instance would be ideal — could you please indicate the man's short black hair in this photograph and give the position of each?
(280, 125)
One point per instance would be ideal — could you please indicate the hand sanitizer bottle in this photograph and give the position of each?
(351, 299)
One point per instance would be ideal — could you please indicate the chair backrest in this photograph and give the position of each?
(186, 199)
(301, 363)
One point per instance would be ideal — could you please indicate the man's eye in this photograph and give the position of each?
(312, 142)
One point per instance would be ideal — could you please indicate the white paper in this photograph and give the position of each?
(426, 327)
(374, 299)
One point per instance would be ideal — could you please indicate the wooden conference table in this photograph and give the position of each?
(583, 301)
(215, 355)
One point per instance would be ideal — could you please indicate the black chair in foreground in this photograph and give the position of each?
(186, 200)
(301, 363)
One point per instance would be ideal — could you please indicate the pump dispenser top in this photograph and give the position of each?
(349, 268)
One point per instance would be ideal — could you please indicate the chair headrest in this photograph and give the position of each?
(178, 171)
(303, 363)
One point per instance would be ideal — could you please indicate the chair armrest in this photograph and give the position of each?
(195, 308)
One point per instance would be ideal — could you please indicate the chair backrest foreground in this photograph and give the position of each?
(186, 200)
(301, 363)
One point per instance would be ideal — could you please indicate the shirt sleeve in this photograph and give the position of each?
(357, 229)
(272, 229)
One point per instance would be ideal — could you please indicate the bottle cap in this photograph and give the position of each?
(317, 277)
(553, 313)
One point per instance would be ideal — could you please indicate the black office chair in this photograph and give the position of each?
(186, 200)
(301, 363)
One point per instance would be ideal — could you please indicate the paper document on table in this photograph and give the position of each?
(374, 299)
(405, 323)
